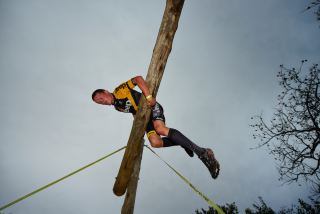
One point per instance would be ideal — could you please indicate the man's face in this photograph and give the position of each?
(104, 98)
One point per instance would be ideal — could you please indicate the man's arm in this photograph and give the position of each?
(145, 89)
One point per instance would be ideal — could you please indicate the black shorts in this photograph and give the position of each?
(156, 114)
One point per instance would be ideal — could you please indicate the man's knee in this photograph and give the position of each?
(155, 141)
(162, 130)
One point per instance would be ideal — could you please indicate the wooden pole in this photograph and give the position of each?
(129, 201)
(157, 65)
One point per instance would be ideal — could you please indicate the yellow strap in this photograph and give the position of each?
(151, 133)
(208, 200)
(56, 181)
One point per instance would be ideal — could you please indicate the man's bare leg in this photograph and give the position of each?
(155, 141)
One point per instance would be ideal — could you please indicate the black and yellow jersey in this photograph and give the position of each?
(126, 99)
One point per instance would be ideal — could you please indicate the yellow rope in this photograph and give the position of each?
(56, 181)
(208, 200)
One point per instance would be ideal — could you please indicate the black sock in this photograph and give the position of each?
(177, 137)
(167, 142)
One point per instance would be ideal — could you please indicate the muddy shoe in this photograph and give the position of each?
(211, 163)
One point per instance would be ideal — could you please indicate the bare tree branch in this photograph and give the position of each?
(293, 133)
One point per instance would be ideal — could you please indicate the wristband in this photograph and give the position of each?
(148, 97)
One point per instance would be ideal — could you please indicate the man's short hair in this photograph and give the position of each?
(97, 92)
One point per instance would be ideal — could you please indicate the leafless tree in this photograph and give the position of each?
(293, 134)
(314, 5)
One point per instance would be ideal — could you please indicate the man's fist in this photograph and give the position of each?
(151, 101)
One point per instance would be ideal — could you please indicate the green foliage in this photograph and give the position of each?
(228, 209)
(261, 207)
(304, 207)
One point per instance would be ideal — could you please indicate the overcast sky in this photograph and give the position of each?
(221, 71)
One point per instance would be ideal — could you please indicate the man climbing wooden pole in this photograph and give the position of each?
(148, 113)
(159, 58)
